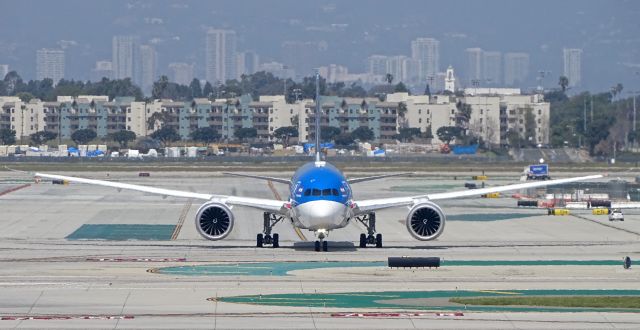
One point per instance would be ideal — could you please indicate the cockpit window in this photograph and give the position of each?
(307, 192)
(326, 192)
(334, 192)
(315, 192)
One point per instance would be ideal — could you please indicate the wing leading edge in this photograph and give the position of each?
(272, 205)
(370, 205)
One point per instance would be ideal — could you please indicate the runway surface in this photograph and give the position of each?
(77, 256)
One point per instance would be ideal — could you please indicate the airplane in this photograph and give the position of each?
(320, 200)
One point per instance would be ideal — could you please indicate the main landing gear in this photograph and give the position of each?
(266, 238)
(370, 238)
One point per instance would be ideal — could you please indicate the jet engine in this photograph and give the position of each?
(214, 221)
(425, 221)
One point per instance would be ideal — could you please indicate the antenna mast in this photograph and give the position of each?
(318, 157)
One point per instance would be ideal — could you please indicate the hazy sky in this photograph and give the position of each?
(608, 31)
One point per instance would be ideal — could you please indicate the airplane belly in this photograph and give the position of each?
(321, 214)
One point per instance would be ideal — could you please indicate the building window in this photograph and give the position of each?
(539, 112)
(419, 111)
(420, 120)
(453, 112)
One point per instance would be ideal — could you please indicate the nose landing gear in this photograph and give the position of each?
(370, 238)
(266, 238)
(321, 243)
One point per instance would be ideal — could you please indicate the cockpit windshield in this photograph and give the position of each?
(323, 192)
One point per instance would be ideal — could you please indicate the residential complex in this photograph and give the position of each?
(124, 53)
(494, 114)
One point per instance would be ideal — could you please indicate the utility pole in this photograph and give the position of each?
(584, 116)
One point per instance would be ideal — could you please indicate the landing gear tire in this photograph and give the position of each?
(317, 246)
(325, 246)
(259, 240)
(370, 238)
(267, 238)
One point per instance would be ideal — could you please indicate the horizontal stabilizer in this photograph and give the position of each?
(268, 178)
(375, 177)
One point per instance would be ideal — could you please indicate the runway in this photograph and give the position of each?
(77, 256)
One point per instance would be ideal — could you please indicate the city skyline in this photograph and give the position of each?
(288, 44)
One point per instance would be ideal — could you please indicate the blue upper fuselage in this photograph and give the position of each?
(319, 181)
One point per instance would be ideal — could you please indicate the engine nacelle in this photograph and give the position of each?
(214, 221)
(425, 221)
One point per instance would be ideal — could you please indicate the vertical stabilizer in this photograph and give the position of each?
(318, 107)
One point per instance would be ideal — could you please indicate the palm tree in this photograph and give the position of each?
(389, 78)
(563, 82)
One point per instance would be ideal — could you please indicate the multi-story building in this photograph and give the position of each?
(124, 57)
(350, 113)
(181, 73)
(572, 58)
(492, 67)
(495, 114)
(148, 67)
(23, 118)
(516, 68)
(248, 62)
(474, 65)
(4, 69)
(427, 52)
(103, 69)
(220, 55)
(303, 56)
(50, 64)
(377, 65)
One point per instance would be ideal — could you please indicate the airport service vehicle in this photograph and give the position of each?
(320, 199)
(616, 215)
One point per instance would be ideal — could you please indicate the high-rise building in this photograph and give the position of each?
(572, 65)
(427, 52)
(220, 55)
(395, 68)
(304, 56)
(248, 62)
(377, 64)
(50, 64)
(4, 69)
(148, 67)
(491, 67)
(474, 65)
(516, 68)
(181, 73)
(103, 69)
(124, 57)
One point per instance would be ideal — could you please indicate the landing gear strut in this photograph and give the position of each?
(321, 243)
(266, 238)
(370, 238)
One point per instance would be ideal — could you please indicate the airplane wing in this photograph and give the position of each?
(375, 177)
(271, 205)
(268, 178)
(365, 206)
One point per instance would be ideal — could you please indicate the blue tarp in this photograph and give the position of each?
(327, 145)
(465, 150)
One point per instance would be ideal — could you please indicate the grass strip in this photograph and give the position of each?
(555, 301)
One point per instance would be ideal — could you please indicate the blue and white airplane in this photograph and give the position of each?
(320, 200)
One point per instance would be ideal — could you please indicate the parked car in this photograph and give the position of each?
(616, 215)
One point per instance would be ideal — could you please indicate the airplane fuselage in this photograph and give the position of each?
(320, 197)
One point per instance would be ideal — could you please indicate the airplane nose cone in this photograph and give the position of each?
(321, 214)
